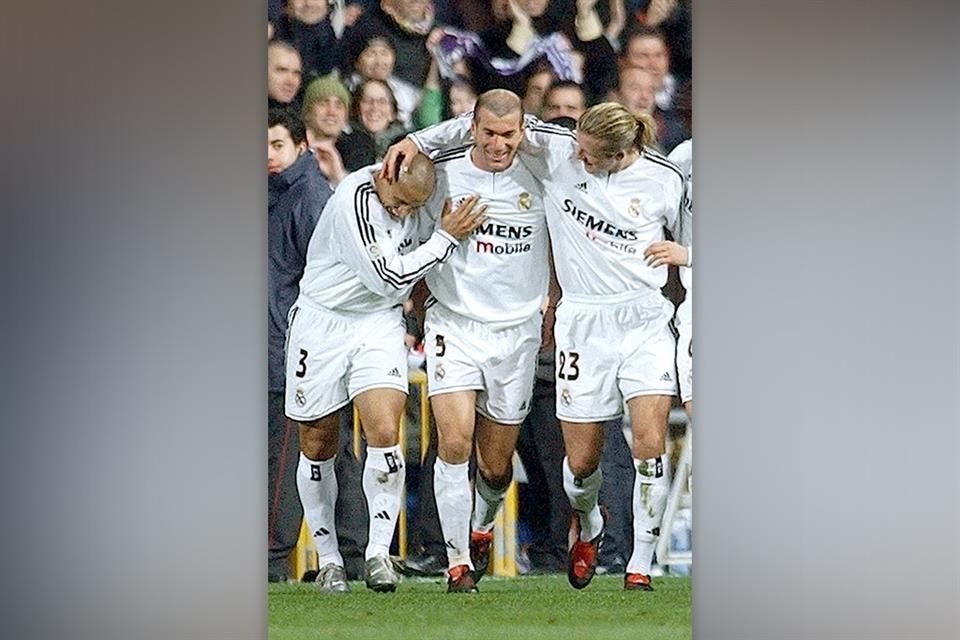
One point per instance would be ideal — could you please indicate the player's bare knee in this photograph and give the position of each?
(648, 443)
(583, 465)
(498, 474)
(381, 433)
(319, 439)
(454, 448)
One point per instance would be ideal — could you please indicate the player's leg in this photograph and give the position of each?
(495, 444)
(649, 416)
(318, 344)
(582, 477)
(509, 369)
(383, 480)
(377, 383)
(317, 486)
(455, 416)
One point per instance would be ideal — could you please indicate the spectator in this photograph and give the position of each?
(406, 24)
(564, 99)
(297, 194)
(284, 76)
(637, 92)
(377, 61)
(374, 110)
(305, 24)
(646, 48)
(340, 149)
(539, 80)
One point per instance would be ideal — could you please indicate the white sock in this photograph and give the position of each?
(383, 482)
(451, 488)
(317, 484)
(651, 486)
(583, 494)
(486, 503)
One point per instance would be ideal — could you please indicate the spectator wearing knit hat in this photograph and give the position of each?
(339, 147)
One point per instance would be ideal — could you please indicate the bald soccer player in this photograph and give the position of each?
(346, 343)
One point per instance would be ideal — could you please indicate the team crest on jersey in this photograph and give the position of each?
(524, 201)
(300, 397)
(438, 373)
(565, 398)
(635, 208)
(374, 251)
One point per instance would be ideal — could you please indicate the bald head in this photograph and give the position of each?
(410, 189)
(419, 179)
(499, 102)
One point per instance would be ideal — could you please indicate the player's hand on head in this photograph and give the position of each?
(398, 158)
(462, 220)
(665, 252)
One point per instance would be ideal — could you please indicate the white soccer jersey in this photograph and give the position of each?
(599, 225)
(361, 258)
(499, 275)
(682, 156)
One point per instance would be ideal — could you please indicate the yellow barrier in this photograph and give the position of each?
(504, 550)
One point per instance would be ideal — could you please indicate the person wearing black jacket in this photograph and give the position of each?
(297, 193)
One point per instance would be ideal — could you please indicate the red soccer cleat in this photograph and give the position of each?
(461, 580)
(637, 582)
(480, 553)
(582, 561)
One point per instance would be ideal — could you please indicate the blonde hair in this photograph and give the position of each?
(616, 129)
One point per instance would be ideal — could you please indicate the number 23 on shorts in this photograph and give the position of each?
(568, 369)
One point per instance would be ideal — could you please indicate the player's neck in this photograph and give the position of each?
(627, 160)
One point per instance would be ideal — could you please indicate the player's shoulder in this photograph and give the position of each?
(533, 123)
(682, 155)
(657, 164)
(448, 157)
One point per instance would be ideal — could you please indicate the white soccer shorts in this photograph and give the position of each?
(684, 324)
(332, 357)
(609, 353)
(500, 364)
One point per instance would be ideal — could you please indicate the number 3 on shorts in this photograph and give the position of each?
(302, 371)
(568, 366)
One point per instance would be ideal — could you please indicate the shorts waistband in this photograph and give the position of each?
(624, 297)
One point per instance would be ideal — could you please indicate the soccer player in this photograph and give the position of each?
(482, 330)
(672, 253)
(345, 342)
(608, 197)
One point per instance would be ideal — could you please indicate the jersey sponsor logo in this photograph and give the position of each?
(502, 249)
(505, 231)
(596, 224)
(524, 201)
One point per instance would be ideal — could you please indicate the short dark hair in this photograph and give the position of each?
(567, 84)
(293, 124)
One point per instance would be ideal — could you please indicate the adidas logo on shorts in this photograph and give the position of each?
(666, 377)
(394, 373)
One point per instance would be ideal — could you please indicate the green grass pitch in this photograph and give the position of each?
(525, 608)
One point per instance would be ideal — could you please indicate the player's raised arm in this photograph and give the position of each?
(368, 249)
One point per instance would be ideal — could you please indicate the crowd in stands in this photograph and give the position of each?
(360, 74)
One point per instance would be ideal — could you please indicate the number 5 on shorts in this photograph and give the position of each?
(568, 365)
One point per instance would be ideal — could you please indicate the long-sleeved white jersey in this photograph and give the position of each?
(682, 156)
(599, 225)
(361, 258)
(499, 275)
